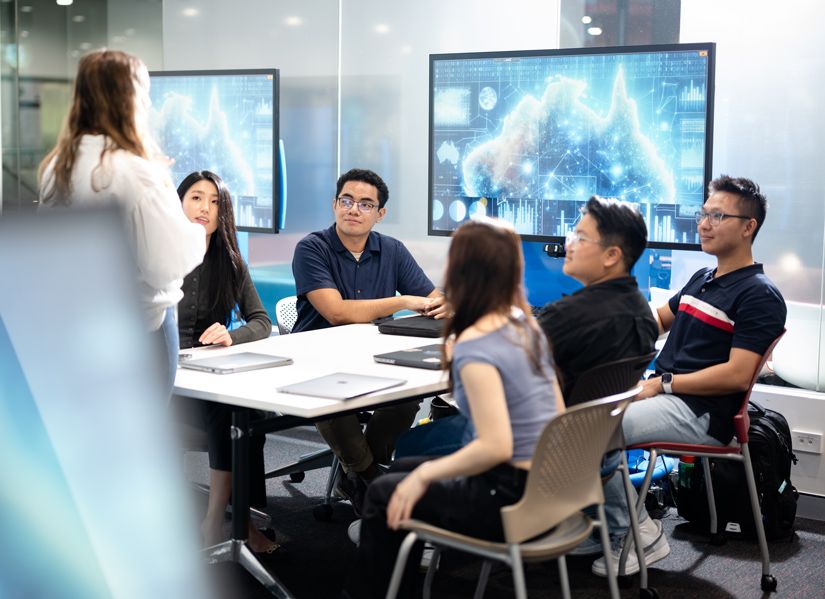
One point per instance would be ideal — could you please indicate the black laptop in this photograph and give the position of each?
(426, 356)
(414, 326)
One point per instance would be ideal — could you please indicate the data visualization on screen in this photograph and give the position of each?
(225, 122)
(530, 136)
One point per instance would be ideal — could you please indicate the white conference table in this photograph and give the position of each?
(348, 348)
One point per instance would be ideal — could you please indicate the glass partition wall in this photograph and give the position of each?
(41, 43)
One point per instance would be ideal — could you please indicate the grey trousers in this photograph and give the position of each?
(357, 449)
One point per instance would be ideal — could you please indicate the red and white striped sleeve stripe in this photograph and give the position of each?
(706, 313)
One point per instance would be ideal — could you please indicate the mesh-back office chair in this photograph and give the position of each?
(286, 315)
(737, 451)
(609, 378)
(601, 381)
(563, 480)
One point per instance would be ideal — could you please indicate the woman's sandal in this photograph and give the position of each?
(274, 550)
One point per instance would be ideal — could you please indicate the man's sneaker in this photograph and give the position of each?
(354, 531)
(654, 542)
(353, 488)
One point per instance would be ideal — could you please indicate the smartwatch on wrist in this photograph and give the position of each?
(667, 382)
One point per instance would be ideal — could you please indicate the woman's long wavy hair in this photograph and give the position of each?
(222, 254)
(104, 102)
(485, 270)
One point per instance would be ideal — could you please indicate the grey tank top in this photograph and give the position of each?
(529, 394)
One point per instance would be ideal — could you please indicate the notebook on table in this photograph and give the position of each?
(236, 363)
(415, 326)
(425, 356)
(342, 385)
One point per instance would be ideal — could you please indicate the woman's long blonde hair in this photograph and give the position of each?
(103, 103)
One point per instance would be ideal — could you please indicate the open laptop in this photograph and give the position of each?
(425, 356)
(342, 385)
(236, 363)
(415, 326)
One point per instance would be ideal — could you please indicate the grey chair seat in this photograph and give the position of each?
(560, 540)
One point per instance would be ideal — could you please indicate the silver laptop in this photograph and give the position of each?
(236, 363)
(342, 385)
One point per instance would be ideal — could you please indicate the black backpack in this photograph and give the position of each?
(771, 457)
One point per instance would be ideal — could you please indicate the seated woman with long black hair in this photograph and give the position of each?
(502, 378)
(213, 293)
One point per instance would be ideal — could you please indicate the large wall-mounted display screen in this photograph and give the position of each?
(225, 122)
(530, 136)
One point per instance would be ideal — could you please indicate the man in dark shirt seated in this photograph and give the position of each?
(349, 273)
(609, 319)
(721, 323)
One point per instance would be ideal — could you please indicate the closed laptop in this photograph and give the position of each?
(425, 356)
(342, 385)
(414, 326)
(236, 363)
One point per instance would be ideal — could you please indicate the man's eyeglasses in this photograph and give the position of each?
(347, 203)
(715, 217)
(572, 237)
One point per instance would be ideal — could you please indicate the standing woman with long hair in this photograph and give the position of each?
(106, 156)
(213, 293)
(501, 376)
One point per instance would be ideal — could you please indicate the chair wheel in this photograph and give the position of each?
(768, 583)
(718, 539)
(297, 477)
(322, 512)
(625, 582)
(648, 593)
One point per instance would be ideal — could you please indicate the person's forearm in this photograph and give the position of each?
(714, 380)
(254, 330)
(355, 311)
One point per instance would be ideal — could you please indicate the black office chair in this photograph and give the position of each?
(609, 378)
(601, 381)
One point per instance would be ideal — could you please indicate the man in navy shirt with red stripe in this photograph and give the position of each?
(349, 273)
(720, 324)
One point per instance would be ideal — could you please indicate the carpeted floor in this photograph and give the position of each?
(319, 552)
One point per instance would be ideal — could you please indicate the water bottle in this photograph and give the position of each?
(686, 464)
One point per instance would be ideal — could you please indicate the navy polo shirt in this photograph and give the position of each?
(741, 309)
(322, 262)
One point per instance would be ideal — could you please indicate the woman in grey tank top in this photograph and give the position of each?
(502, 378)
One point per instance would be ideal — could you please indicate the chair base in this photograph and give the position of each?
(310, 461)
(235, 550)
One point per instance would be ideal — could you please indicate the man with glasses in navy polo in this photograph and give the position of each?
(347, 274)
(720, 323)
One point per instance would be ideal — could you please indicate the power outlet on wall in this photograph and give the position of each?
(806, 441)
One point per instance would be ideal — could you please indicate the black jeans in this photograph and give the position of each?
(468, 505)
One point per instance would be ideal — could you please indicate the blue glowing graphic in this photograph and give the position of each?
(540, 134)
(222, 122)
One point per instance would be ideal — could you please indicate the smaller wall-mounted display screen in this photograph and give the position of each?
(225, 122)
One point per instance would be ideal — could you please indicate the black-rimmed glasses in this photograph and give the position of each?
(715, 217)
(347, 203)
